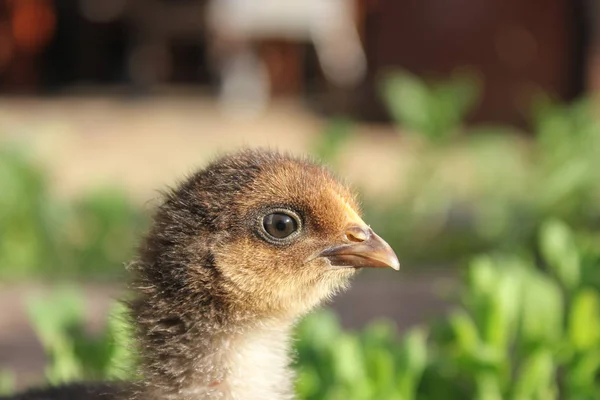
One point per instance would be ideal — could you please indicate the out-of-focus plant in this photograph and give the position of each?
(439, 215)
(103, 231)
(42, 236)
(522, 332)
(488, 188)
(7, 382)
(28, 217)
(332, 141)
(372, 364)
(567, 159)
(434, 111)
(73, 353)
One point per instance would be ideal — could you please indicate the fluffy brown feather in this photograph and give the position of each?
(216, 295)
(204, 275)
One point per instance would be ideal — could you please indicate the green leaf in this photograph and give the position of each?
(412, 364)
(308, 382)
(482, 277)
(504, 305)
(494, 298)
(465, 332)
(122, 362)
(319, 330)
(54, 315)
(65, 366)
(560, 252)
(584, 320)
(581, 376)
(542, 310)
(487, 387)
(333, 139)
(349, 361)
(380, 368)
(535, 379)
(7, 382)
(409, 102)
(433, 111)
(55, 320)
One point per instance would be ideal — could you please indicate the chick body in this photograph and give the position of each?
(236, 255)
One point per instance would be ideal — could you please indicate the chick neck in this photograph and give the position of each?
(199, 348)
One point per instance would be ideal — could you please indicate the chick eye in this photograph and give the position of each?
(280, 225)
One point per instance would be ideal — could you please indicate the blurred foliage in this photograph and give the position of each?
(527, 328)
(27, 217)
(333, 140)
(372, 364)
(73, 354)
(434, 110)
(489, 188)
(567, 160)
(7, 382)
(42, 236)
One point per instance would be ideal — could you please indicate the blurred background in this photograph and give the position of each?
(469, 127)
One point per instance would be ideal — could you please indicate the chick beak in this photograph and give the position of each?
(363, 249)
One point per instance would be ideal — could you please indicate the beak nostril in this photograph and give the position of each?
(357, 234)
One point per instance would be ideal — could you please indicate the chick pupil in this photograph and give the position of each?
(279, 225)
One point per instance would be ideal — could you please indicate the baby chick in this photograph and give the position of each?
(237, 254)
